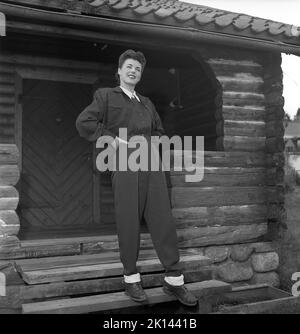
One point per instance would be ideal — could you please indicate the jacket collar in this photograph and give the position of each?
(118, 89)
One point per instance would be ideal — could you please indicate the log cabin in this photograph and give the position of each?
(210, 73)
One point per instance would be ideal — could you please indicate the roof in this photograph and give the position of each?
(179, 14)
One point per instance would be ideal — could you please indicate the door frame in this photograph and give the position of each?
(58, 70)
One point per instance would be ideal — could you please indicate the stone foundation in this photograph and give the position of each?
(253, 263)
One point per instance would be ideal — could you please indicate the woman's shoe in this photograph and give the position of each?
(181, 293)
(135, 291)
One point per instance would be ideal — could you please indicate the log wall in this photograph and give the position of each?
(9, 159)
(274, 117)
(240, 192)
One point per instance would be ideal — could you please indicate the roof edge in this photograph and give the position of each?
(109, 25)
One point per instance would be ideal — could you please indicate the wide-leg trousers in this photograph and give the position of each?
(139, 194)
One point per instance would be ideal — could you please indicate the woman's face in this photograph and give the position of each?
(130, 73)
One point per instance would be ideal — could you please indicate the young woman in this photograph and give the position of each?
(137, 194)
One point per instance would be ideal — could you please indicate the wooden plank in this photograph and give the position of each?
(275, 306)
(19, 252)
(59, 289)
(210, 196)
(118, 300)
(102, 270)
(82, 260)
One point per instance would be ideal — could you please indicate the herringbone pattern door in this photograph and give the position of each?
(57, 172)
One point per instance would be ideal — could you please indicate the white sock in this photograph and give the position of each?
(175, 280)
(132, 278)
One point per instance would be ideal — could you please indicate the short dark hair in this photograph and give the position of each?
(131, 54)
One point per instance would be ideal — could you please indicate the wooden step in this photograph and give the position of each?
(93, 266)
(118, 300)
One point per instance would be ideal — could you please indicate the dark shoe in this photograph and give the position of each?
(135, 291)
(181, 293)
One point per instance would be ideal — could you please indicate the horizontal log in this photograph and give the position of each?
(244, 128)
(239, 143)
(243, 113)
(277, 212)
(275, 194)
(6, 139)
(255, 98)
(7, 111)
(274, 113)
(274, 98)
(7, 244)
(230, 159)
(183, 197)
(220, 215)
(9, 154)
(9, 217)
(228, 66)
(219, 235)
(9, 175)
(9, 198)
(24, 59)
(275, 176)
(7, 121)
(7, 89)
(53, 74)
(7, 78)
(7, 130)
(8, 230)
(243, 82)
(223, 176)
(275, 159)
(274, 144)
(6, 68)
(275, 129)
(7, 100)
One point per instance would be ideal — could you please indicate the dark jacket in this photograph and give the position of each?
(91, 123)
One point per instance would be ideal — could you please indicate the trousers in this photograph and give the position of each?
(144, 194)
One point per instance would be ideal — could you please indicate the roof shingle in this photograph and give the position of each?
(177, 13)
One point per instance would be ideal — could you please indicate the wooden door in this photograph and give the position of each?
(56, 190)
